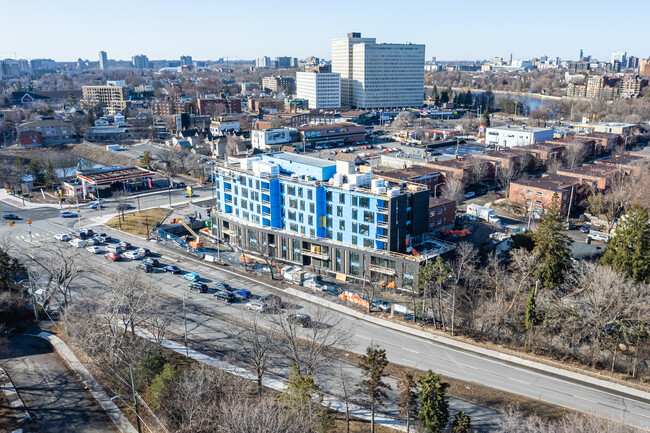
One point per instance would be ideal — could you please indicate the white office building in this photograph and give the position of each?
(266, 139)
(378, 76)
(511, 136)
(321, 89)
(103, 60)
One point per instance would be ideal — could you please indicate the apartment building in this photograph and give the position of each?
(429, 177)
(47, 132)
(278, 84)
(112, 96)
(378, 76)
(324, 216)
(631, 86)
(167, 107)
(543, 152)
(627, 164)
(267, 139)
(537, 193)
(442, 213)
(322, 90)
(140, 62)
(596, 176)
(218, 105)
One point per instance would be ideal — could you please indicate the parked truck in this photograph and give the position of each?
(482, 212)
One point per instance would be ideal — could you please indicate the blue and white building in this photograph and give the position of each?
(326, 216)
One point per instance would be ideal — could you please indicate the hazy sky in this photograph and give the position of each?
(210, 29)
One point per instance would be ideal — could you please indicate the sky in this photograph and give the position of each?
(212, 29)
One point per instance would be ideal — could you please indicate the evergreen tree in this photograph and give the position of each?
(36, 170)
(9, 269)
(146, 159)
(629, 250)
(162, 385)
(50, 175)
(304, 400)
(531, 315)
(373, 367)
(19, 165)
(486, 118)
(407, 399)
(434, 403)
(551, 247)
(462, 423)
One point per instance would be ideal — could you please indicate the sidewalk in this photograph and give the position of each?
(18, 202)
(116, 415)
(20, 412)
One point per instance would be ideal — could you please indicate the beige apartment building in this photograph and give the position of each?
(113, 96)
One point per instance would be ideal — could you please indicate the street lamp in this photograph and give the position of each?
(187, 354)
(453, 305)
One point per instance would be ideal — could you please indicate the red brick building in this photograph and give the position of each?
(592, 175)
(427, 176)
(543, 151)
(291, 120)
(460, 169)
(628, 164)
(30, 138)
(538, 192)
(441, 214)
(167, 107)
(215, 107)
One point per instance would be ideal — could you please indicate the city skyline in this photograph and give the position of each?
(448, 32)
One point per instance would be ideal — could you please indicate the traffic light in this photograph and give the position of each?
(69, 207)
(11, 223)
(29, 221)
(7, 191)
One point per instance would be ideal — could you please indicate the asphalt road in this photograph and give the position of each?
(401, 348)
(56, 401)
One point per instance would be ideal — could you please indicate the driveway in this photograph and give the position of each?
(55, 399)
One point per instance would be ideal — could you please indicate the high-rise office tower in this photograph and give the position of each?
(103, 60)
(186, 61)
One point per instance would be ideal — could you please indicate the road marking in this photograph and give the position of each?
(410, 350)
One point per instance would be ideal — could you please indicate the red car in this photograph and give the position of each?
(113, 256)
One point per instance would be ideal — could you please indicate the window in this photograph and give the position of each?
(302, 205)
(328, 196)
(293, 203)
(339, 211)
(354, 200)
(309, 194)
(328, 234)
(291, 190)
(364, 202)
(354, 227)
(293, 227)
(339, 237)
(364, 229)
(354, 214)
(354, 263)
(341, 198)
(439, 211)
(354, 240)
(328, 209)
(312, 233)
(310, 220)
(299, 192)
(342, 225)
(311, 208)
(538, 203)
(338, 260)
(539, 194)
(368, 243)
(529, 192)
(291, 215)
(368, 216)
(439, 222)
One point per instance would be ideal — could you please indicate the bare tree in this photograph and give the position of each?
(59, 267)
(574, 155)
(235, 145)
(256, 343)
(506, 175)
(454, 189)
(403, 120)
(479, 168)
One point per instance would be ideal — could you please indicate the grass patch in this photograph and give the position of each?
(138, 223)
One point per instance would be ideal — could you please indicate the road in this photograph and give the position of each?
(401, 348)
(56, 401)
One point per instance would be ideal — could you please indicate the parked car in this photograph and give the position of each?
(77, 243)
(198, 287)
(300, 319)
(499, 195)
(62, 237)
(114, 248)
(113, 256)
(125, 245)
(173, 269)
(222, 286)
(102, 237)
(10, 216)
(257, 306)
(93, 249)
(78, 234)
(90, 242)
(225, 296)
(88, 232)
(143, 251)
(273, 301)
(470, 194)
(241, 293)
(68, 214)
(153, 262)
(192, 276)
(584, 229)
(132, 255)
(145, 267)
(179, 184)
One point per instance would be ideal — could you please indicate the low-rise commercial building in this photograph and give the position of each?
(326, 217)
(268, 139)
(224, 123)
(512, 136)
(287, 120)
(334, 134)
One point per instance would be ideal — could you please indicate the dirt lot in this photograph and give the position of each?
(91, 152)
(138, 223)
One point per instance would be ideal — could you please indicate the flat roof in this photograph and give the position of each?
(327, 125)
(300, 159)
(521, 128)
(113, 174)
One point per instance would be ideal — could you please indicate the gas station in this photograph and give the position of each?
(92, 179)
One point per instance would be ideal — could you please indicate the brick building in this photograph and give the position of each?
(217, 106)
(460, 169)
(291, 120)
(167, 107)
(427, 176)
(592, 175)
(259, 105)
(543, 152)
(441, 214)
(628, 164)
(537, 193)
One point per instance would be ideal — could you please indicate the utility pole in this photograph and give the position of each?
(453, 308)
(187, 355)
(31, 289)
(135, 399)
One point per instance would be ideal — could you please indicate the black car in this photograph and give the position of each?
(225, 287)
(10, 216)
(145, 267)
(173, 269)
(300, 319)
(153, 262)
(225, 296)
(198, 287)
(273, 301)
(78, 234)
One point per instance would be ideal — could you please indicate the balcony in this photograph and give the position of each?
(382, 238)
(315, 254)
(381, 209)
(382, 270)
(383, 224)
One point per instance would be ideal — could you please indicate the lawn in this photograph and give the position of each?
(138, 223)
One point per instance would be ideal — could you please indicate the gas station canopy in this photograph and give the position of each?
(110, 175)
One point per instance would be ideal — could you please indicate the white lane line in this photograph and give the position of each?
(410, 350)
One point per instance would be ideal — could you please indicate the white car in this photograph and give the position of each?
(90, 242)
(257, 306)
(143, 251)
(62, 237)
(77, 243)
(132, 255)
(94, 249)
